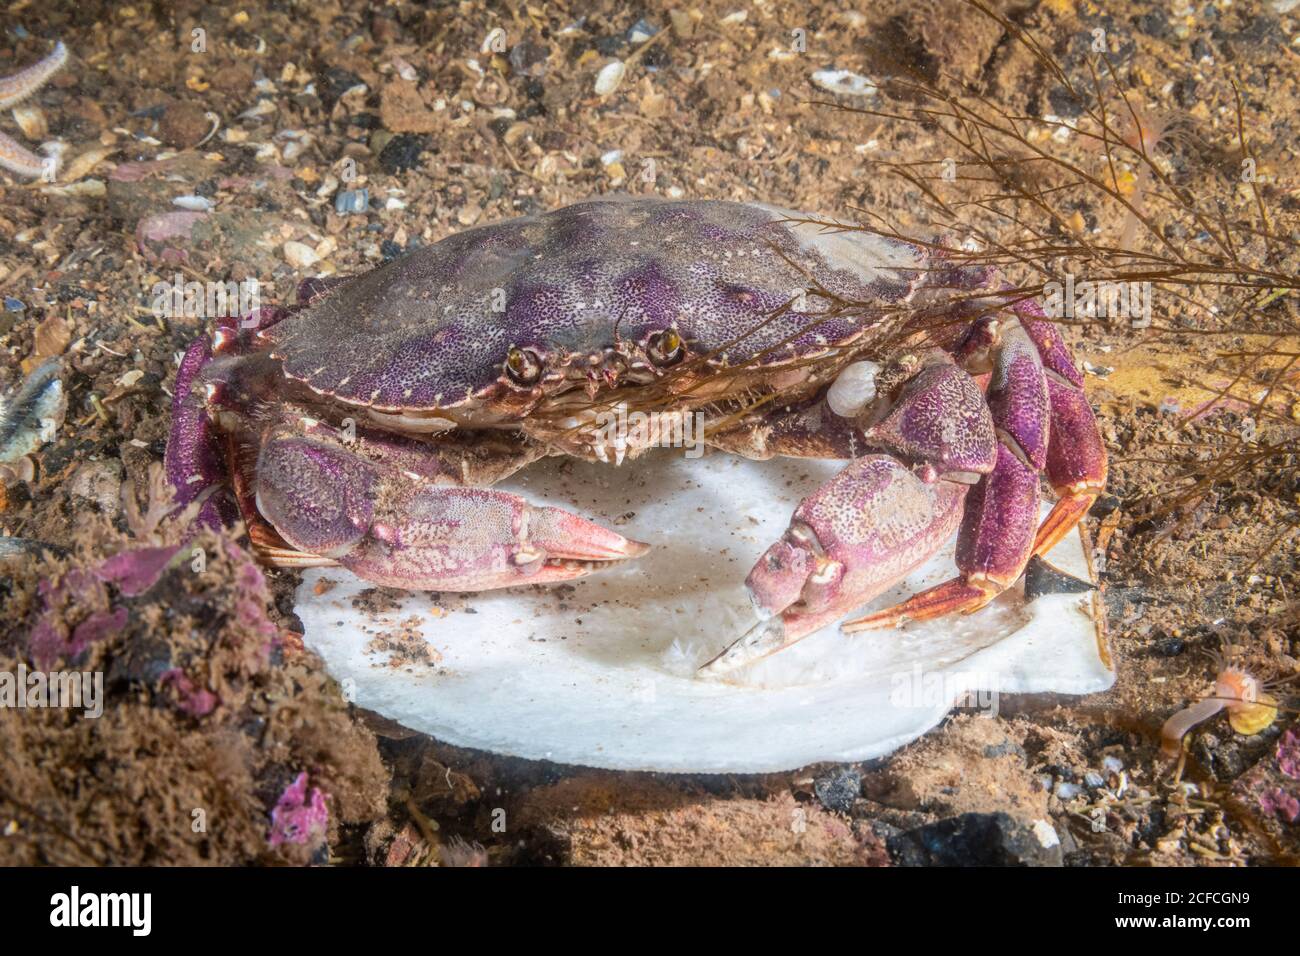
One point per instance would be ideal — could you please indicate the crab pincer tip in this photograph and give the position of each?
(764, 638)
(567, 536)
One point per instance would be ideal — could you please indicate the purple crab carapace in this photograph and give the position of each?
(365, 426)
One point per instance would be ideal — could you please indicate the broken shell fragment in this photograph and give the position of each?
(608, 79)
(844, 83)
(31, 120)
(615, 685)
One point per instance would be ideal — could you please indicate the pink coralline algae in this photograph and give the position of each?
(297, 818)
(136, 571)
(1263, 782)
(46, 643)
(192, 699)
(1282, 803)
(133, 572)
(1288, 754)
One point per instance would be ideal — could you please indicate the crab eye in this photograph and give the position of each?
(666, 347)
(523, 366)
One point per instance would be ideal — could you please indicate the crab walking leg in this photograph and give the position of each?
(1076, 456)
(396, 530)
(192, 459)
(997, 530)
(877, 520)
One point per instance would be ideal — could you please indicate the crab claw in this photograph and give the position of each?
(570, 541)
(850, 540)
(396, 531)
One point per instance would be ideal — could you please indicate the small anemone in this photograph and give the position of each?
(1251, 709)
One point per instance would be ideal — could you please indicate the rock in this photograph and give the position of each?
(641, 31)
(99, 482)
(1170, 647)
(32, 121)
(1003, 749)
(838, 789)
(402, 153)
(300, 255)
(684, 23)
(166, 237)
(334, 83)
(528, 58)
(1270, 785)
(352, 201)
(183, 124)
(1154, 24)
(1225, 759)
(1067, 791)
(977, 839)
(957, 38)
(228, 236)
(234, 78)
(402, 109)
(1064, 103)
(137, 189)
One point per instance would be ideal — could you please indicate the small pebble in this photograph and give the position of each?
(1112, 764)
(352, 201)
(838, 789)
(300, 255)
(193, 203)
(609, 77)
(641, 31)
(1093, 780)
(1170, 647)
(402, 153)
(1067, 791)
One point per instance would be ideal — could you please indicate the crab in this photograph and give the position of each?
(365, 426)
